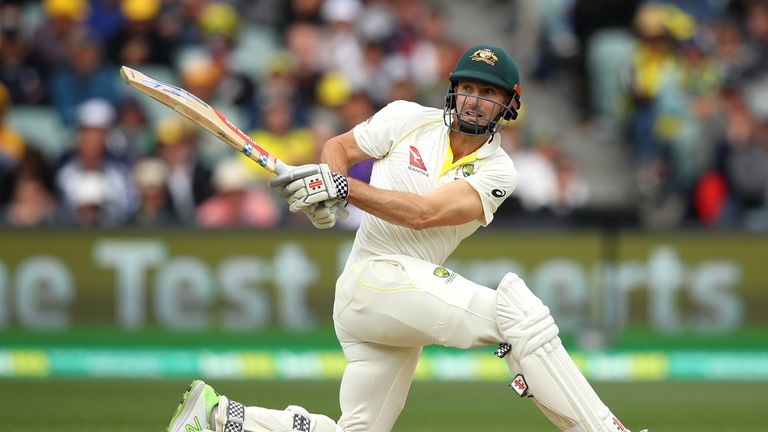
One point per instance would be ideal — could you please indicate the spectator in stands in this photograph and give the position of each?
(90, 161)
(150, 176)
(380, 72)
(305, 10)
(54, 34)
(345, 50)
(549, 182)
(743, 163)
(32, 204)
(686, 111)
(653, 62)
(424, 52)
(89, 202)
(304, 63)
(432, 58)
(188, 181)
(756, 20)
(20, 70)
(83, 76)
(447, 52)
(293, 145)
(410, 17)
(281, 82)
(11, 143)
(537, 187)
(200, 76)
(30, 191)
(579, 44)
(140, 40)
(220, 25)
(572, 189)
(105, 18)
(32, 164)
(236, 203)
(11, 148)
(131, 137)
(731, 53)
(186, 15)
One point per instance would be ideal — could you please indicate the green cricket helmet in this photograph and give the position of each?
(490, 65)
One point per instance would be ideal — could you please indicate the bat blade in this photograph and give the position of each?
(195, 109)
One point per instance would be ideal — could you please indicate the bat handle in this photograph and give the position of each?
(281, 167)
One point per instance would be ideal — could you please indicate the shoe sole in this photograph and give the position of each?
(193, 392)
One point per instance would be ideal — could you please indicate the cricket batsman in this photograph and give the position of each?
(438, 175)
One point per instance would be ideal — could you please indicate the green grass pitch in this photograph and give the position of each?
(74, 405)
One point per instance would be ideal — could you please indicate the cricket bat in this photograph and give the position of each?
(193, 108)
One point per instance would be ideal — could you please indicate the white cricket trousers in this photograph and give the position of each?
(386, 309)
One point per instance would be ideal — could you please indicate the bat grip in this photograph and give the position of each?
(281, 167)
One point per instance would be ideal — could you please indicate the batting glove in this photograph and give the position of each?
(326, 214)
(309, 185)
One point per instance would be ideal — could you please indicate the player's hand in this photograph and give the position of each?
(325, 214)
(308, 185)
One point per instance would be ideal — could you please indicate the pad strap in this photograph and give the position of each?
(235, 417)
(503, 350)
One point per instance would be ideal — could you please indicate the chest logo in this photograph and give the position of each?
(467, 170)
(417, 162)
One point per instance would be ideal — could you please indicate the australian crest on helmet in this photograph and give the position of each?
(485, 55)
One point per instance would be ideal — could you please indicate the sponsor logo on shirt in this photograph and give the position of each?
(417, 162)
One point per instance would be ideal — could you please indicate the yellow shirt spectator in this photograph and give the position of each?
(294, 146)
(11, 143)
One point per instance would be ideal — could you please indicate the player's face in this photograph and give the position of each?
(479, 103)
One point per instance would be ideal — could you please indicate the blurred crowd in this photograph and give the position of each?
(683, 81)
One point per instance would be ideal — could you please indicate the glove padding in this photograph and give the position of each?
(308, 185)
(325, 214)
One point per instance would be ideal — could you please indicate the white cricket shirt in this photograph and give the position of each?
(411, 145)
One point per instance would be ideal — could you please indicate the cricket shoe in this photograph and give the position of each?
(194, 411)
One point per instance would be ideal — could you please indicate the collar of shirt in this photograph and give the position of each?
(489, 146)
(485, 150)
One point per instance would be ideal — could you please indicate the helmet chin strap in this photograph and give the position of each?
(472, 128)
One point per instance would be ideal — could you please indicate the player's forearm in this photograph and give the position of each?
(334, 155)
(341, 152)
(400, 208)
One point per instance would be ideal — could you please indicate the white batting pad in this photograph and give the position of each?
(548, 372)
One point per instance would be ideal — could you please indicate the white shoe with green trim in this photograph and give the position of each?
(194, 412)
